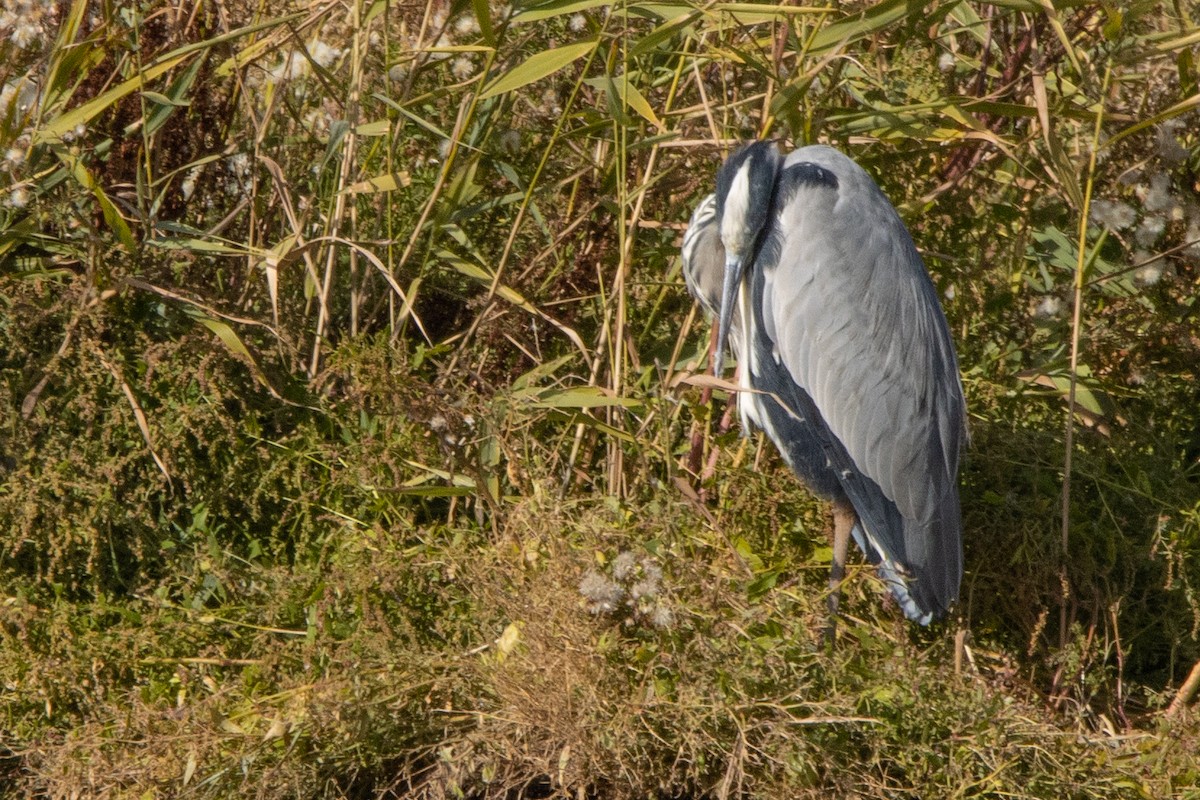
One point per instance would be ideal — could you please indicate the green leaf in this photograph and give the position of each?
(163, 100)
(421, 121)
(755, 13)
(81, 115)
(85, 113)
(1085, 397)
(1182, 107)
(483, 276)
(377, 8)
(762, 584)
(379, 127)
(484, 17)
(612, 99)
(556, 8)
(579, 418)
(623, 90)
(662, 33)
(196, 245)
(1179, 44)
(970, 21)
(224, 332)
(584, 397)
(746, 551)
(436, 491)
(418, 485)
(112, 216)
(337, 134)
(255, 49)
(381, 183)
(68, 56)
(536, 67)
(1185, 65)
(173, 99)
(878, 17)
(543, 370)
(489, 460)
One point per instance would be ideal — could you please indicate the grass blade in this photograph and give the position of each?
(536, 67)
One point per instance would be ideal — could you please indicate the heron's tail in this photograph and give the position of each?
(892, 575)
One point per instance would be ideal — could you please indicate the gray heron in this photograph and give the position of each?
(844, 357)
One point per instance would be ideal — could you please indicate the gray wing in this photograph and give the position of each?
(856, 322)
(704, 256)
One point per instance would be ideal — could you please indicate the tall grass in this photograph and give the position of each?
(351, 445)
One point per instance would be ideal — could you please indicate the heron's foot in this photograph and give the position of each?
(835, 592)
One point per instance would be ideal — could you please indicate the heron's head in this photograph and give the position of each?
(745, 187)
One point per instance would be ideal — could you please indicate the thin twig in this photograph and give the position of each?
(138, 415)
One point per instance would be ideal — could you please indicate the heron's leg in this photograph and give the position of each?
(844, 518)
(697, 452)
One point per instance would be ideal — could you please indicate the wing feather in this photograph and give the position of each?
(858, 326)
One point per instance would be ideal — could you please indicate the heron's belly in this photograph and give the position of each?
(796, 437)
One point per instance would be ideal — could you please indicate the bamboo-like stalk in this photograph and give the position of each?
(1187, 691)
(1076, 318)
(345, 177)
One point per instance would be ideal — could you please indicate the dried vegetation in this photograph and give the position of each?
(344, 450)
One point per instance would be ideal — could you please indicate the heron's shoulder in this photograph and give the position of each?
(807, 170)
(844, 169)
(821, 154)
(819, 166)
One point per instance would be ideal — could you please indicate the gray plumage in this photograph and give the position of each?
(847, 351)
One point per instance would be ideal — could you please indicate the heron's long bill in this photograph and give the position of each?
(729, 298)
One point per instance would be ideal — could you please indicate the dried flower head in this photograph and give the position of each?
(1150, 230)
(27, 21)
(1158, 197)
(462, 68)
(624, 565)
(1170, 149)
(466, 27)
(1113, 214)
(644, 588)
(604, 595)
(1048, 307)
(1149, 274)
(661, 616)
(18, 197)
(324, 54)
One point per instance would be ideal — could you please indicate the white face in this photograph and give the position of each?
(734, 233)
